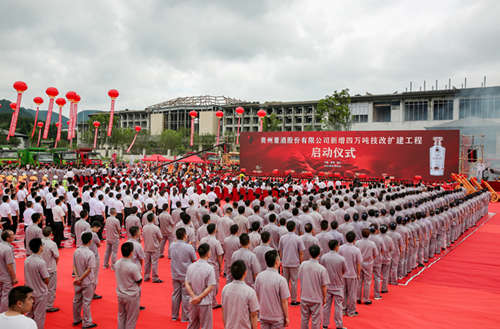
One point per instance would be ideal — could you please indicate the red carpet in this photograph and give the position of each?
(461, 290)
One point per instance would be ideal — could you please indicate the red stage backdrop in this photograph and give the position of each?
(402, 154)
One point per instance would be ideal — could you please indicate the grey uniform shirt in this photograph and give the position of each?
(33, 231)
(231, 244)
(113, 228)
(238, 300)
(166, 224)
(127, 274)
(138, 253)
(260, 253)
(84, 258)
(290, 245)
(6, 258)
(183, 255)
(335, 266)
(200, 275)
(215, 250)
(313, 277)
(49, 254)
(35, 270)
(308, 240)
(253, 266)
(152, 237)
(271, 288)
(368, 251)
(272, 228)
(352, 256)
(80, 226)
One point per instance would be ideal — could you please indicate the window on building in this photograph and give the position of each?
(279, 111)
(246, 128)
(229, 121)
(485, 108)
(229, 112)
(360, 118)
(298, 110)
(289, 110)
(416, 111)
(255, 120)
(229, 129)
(309, 119)
(288, 120)
(246, 121)
(381, 112)
(309, 110)
(255, 128)
(297, 128)
(443, 109)
(298, 119)
(317, 128)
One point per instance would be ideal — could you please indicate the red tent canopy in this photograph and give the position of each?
(156, 157)
(193, 159)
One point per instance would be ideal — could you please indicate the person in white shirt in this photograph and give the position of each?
(59, 223)
(5, 213)
(20, 302)
(120, 208)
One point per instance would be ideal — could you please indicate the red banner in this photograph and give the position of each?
(111, 114)
(49, 117)
(432, 154)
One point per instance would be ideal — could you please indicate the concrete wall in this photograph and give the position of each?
(208, 122)
(156, 123)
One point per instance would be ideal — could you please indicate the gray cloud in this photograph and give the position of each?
(152, 51)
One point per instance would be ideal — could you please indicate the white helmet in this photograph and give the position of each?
(55, 176)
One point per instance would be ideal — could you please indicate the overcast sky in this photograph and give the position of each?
(277, 50)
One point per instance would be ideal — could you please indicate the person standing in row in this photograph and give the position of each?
(50, 255)
(81, 226)
(58, 223)
(353, 260)
(336, 268)
(152, 239)
(231, 244)
(273, 293)
(94, 247)
(313, 281)
(291, 250)
(251, 262)
(128, 281)
(167, 230)
(200, 280)
(113, 231)
(183, 255)
(83, 265)
(215, 259)
(240, 305)
(8, 278)
(33, 231)
(37, 277)
(369, 252)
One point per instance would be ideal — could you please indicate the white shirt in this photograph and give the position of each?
(58, 213)
(18, 321)
(5, 210)
(27, 216)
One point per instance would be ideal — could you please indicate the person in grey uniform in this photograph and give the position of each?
(36, 276)
(313, 281)
(83, 264)
(291, 250)
(113, 232)
(183, 255)
(200, 280)
(231, 244)
(152, 240)
(353, 259)
(261, 250)
(50, 255)
(239, 301)
(273, 293)
(386, 258)
(336, 268)
(251, 261)
(128, 282)
(167, 230)
(215, 260)
(33, 231)
(8, 278)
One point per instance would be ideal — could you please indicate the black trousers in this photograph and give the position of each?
(128, 212)
(22, 208)
(58, 231)
(86, 206)
(101, 220)
(14, 226)
(6, 223)
(120, 218)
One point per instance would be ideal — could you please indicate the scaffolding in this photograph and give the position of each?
(471, 154)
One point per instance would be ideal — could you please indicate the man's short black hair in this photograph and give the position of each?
(265, 236)
(180, 233)
(150, 217)
(35, 244)
(238, 268)
(365, 232)
(127, 249)
(211, 228)
(86, 237)
(270, 257)
(203, 249)
(244, 239)
(18, 294)
(234, 229)
(308, 227)
(133, 230)
(324, 225)
(290, 226)
(334, 224)
(314, 251)
(350, 236)
(205, 218)
(96, 224)
(47, 231)
(255, 226)
(332, 244)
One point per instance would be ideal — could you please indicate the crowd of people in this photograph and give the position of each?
(263, 235)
